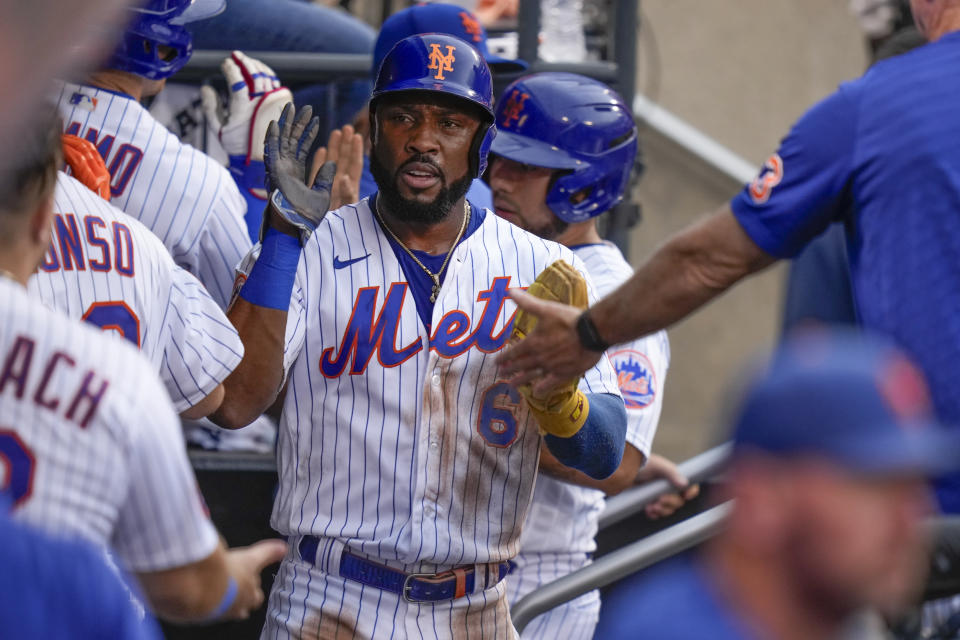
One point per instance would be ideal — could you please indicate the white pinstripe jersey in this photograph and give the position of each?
(563, 516)
(105, 267)
(185, 197)
(403, 445)
(89, 444)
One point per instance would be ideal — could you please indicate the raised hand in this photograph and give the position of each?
(345, 148)
(287, 145)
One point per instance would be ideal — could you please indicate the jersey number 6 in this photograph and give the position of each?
(115, 316)
(497, 423)
(16, 470)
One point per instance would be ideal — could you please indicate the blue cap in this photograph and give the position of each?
(850, 398)
(436, 17)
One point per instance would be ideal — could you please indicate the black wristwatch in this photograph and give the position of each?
(588, 334)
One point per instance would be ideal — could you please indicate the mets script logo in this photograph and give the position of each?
(440, 62)
(513, 110)
(635, 378)
(373, 330)
(770, 176)
(471, 26)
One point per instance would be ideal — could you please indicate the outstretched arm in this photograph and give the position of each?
(259, 311)
(684, 274)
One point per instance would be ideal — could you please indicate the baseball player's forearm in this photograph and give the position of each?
(688, 271)
(254, 384)
(223, 586)
(624, 477)
(597, 448)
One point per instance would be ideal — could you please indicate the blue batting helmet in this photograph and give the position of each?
(573, 123)
(160, 22)
(436, 62)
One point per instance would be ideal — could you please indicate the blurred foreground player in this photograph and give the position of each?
(832, 443)
(53, 588)
(90, 446)
(406, 463)
(552, 174)
(877, 154)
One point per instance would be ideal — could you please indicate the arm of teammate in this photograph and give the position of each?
(200, 346)
(163, 533)
(256, 98)
(799, 192)
(692, 268)
(260, 310)
(613, 484)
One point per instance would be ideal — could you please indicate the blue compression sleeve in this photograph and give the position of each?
(271, 279)
(597, 448)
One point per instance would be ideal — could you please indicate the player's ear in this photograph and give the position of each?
(373, 125)
(41, 222)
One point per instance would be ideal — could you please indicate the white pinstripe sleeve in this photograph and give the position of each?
(223, 242)
(641, 368)
(163, 522)
(296, 322)
(201, 347)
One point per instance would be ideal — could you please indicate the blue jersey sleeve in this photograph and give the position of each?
(803, 187)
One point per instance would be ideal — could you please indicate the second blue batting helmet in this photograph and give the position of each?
(160, 22)
(440, 63)
(573, 123)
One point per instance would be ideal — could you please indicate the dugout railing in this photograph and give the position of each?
(637, 555)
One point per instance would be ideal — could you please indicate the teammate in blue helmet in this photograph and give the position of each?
(156, 45)
(420, 70)
(578, 136)
(446, 19)
(563, 155)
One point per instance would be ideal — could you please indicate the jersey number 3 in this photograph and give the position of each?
(115, 316)
(16, 467)
(497, 423)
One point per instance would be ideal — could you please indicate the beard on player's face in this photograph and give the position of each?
(410, 210)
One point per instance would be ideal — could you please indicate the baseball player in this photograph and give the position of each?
(104, 267)
(886, 169)
(185, 197)
(89, 444)
(552, 174)
(436, 17)
(406, 465)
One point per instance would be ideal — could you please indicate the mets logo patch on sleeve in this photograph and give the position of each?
(635, 378)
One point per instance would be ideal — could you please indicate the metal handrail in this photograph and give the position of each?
(633, 500)
(620, 563)
(693, 140)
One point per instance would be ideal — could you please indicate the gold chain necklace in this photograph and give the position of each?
(433, 276)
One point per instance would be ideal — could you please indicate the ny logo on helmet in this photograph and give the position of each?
(471, 26)
(514, 108)
(440, 62)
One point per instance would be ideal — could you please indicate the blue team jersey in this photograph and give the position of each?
(881, 155)
(675, 601)
(53, 589)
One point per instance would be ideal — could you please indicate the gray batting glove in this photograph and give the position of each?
(286, 148)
